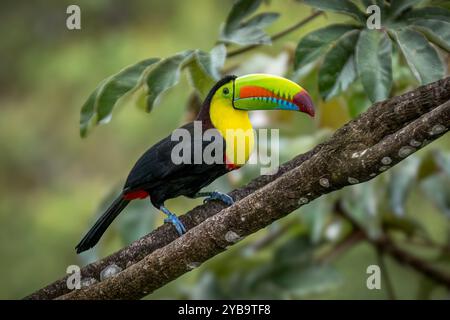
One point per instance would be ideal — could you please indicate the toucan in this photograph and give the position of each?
(157, 177)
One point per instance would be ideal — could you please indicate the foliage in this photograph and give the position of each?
(152, 77)
(352, 50)
(250, 31)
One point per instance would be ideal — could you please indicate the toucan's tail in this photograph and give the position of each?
(94, 234)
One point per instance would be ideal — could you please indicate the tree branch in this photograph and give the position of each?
(391, 128)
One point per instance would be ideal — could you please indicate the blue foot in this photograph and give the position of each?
(216, 195)
(173, 219)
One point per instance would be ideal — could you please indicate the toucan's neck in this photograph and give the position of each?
(224, 117)
(219, 113)
(204, 115)
(234, 126)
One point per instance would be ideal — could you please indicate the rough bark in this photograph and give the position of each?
(384, 135)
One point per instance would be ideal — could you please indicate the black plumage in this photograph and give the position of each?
(155, 173)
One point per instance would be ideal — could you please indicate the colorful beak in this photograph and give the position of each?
(267, 92)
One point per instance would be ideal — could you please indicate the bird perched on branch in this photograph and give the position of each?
(159, 176)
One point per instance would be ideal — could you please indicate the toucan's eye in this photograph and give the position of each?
(226, 91)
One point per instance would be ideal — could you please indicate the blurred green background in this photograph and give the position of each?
(53, 182)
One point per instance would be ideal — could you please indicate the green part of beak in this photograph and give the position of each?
(268, 92)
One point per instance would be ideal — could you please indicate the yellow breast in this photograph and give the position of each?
(236, 128)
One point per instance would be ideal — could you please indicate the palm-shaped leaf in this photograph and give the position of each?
(427, 13)
(397, 7)
(373, 61)
(204, 69)
(164, 76)
(337, 71)
(436, 31)
(422, 58)
(314, 44)
(250, 31)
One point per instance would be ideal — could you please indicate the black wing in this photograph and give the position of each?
(155, 165)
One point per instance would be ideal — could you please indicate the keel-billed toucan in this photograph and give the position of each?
(155, 175)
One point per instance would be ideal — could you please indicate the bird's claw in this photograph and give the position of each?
(173, 219)
(216, 195)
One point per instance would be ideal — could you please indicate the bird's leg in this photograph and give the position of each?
(172, 218)
(215, 195)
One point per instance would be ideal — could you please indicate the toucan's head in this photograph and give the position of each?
(262, 92)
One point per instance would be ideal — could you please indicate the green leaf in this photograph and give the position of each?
(314, 44)
(204, 69)
(251, 31)
(436, 31)
(374, 65)
(164, 75)
(401, 180)
(437, 189)
(337, 71)
(88, 111)
(342, 6)
(100, 104)
(125, 82)
(422, 58)
(427, 13)
(399, 6)
(238, 31)
(214, 62)
(239, 11)
(260, 21)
